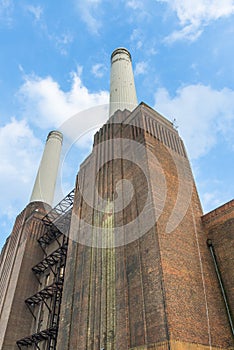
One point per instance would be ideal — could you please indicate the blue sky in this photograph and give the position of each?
(55, 60)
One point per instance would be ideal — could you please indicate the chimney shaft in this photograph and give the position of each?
(44, 186)
(122, 86)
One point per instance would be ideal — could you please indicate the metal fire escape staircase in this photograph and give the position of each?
(57, 223)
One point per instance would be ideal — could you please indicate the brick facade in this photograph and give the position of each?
(159, 291)
(17, 280)
(219, 227)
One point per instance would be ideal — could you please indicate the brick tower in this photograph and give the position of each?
(19, 271)
(135, 264)
(140, 274)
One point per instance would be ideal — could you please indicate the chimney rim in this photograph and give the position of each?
(56, 134)
(121, 50)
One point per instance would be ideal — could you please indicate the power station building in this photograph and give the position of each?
(126, 260)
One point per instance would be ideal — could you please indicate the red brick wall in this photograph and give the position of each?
(219, 225)
(16, 321)
(159, 287)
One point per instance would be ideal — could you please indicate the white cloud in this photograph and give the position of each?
(212, 199)
(138, 11)
(135, 4)
(141, 68)
(61, 41)
(194, 15)
(137, 38)
(43, 103)
(5, 5)
(88, 11)
(190, 32)
(6, 9)
(20, 152)
(202, 113)
(98, 70)
(47, 105)
(36, 11)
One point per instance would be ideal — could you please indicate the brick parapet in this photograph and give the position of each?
(218, 215)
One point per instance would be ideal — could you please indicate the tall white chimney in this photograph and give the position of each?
(122, 86)
(44, 186)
